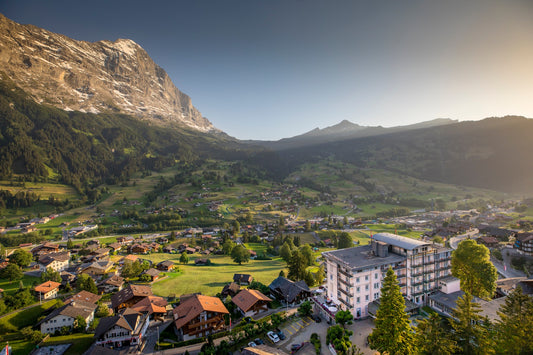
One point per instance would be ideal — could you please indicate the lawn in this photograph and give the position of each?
(210, 280)
(26, 317)
(80, 342)
(11, 286)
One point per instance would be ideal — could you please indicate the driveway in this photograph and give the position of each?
(454, 241)
(361, 329)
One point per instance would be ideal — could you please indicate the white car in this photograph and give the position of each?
(252, 344)
(273, 336)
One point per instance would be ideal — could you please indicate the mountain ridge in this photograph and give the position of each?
(96, 77)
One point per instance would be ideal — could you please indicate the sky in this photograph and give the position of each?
(269, 69)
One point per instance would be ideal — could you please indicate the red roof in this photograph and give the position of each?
(47, 286)
(247, 298)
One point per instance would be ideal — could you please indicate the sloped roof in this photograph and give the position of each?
(84, 296)
(47, 286)
(193, 306)
(246, 299)
(242, 278)
(114, 280)
(231, 287)
(289, 289)
(72, 310)
(130, 292)
(107, 323)
(152, 272)
(151, 304)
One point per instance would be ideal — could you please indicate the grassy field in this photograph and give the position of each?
(26, 317)
(210, 280)
(11, 286)
(80, 342)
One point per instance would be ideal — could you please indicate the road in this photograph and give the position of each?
(504, 268)
(454, 241)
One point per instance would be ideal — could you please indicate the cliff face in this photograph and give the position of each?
(93, 77)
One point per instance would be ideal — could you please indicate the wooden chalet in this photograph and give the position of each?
(251, 302)
(243, 279)
(130, 296)
(199, 316)
(166, 265)
(230, 289)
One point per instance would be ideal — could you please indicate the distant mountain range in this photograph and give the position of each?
(345, 130)
(99, 77)
(87, 113)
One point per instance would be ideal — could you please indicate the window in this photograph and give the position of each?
(376, 295)
(358, 289)
(376, 275)
(357, 279)
(331, 277)
(376, 285)
(366, 287)
(366, 298)
(366, 277)
(358, 299)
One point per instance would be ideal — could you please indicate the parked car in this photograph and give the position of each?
(259, 341)
(273, 336)
(296, 347)
(317, 318)
(280, 334)
(252, 344)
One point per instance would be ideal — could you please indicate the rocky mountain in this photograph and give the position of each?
(345, 130)
(99, 77)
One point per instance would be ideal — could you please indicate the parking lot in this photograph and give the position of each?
(295, 326)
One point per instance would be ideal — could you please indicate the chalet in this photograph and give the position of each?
(489, 242)
(524, 243)
(66, 315)
(230, 289)
(289, 291)
(139, 249)
(55, 261)
(130, 258)
(97, 269)
(126, 329)
(125, 240)
(251, 302)
(44, 248)
(154, 306)
(243, 279)
(130, 296)
(189, 250)
(201, 262)
(115, 247)
(166, 265)
(47, 290)
(67, 277)
(28, 229)
(199, 316)
(169, 249)
(100, 253)
(153, 273)
(84, 296)
(94, 242)
(112, 284)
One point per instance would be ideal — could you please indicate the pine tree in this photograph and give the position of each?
(471, 329)
(392, 332)
(431, 337)
(285, 252)
(516, 324)
(296, 266)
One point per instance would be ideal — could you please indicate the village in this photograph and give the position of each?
(109, 295)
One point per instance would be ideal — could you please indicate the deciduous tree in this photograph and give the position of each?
(471, 264)
(240, 254)
(345, 241)
(184, 258)
(11, 272)
(21, 257)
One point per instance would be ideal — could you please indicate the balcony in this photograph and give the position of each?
(346, 303)
(344, 282)
(416, 283)
(342, 272)
(346, 292)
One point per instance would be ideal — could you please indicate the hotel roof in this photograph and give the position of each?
(362, 257)
(399, 241)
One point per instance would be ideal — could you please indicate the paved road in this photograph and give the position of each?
(454, 241)
(507, 270)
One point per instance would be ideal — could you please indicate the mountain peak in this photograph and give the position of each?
(104, 76)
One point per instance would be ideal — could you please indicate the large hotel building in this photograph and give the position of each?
(355, 275)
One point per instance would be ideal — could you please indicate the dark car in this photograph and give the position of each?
(296, 347)
(281, 336)
(317, 318)
(259, 341)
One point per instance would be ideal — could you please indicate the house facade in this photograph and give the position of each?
(355, 275)
(66, 315)
(251, 302)
(125, 330)
(47, 290)
(56, 261)
(199, 316)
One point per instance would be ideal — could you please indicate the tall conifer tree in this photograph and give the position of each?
(392, 333)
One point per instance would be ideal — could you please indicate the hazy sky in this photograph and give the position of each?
(268, 69)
